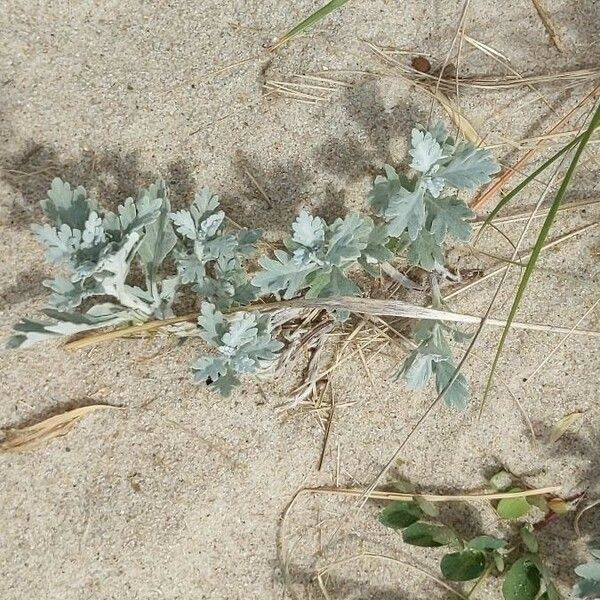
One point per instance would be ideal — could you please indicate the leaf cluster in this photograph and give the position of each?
(527, 578)
(318, 255)
(209, 257)
(96, 249)
(244, 345)
(422, 211)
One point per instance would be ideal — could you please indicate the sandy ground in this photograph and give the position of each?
(181, 494)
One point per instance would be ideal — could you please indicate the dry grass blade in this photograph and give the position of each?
(549, 25)
(343, 561)
(497, 185)
(364, 306)
(375, 494)
(27, 438)
(581, 513)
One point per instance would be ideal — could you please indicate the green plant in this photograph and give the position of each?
(315, 17)
(144, 256)
(526, 577)
(588, 585)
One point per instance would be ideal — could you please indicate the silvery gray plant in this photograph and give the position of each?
(198, 250)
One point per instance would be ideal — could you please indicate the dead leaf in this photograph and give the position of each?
(462, 123)
(27, 438)
(563, 425)
(558, 506)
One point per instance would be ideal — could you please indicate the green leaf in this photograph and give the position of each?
(448, 216)
(310, 21)
(425, 151)
(463, 566)
(425, 252)
(522, 581)
(457, 394)
(486, 542)
(309, 231)
(513, 508)
(529, 539)
(469, 167)
(400, 514)
(427, 535)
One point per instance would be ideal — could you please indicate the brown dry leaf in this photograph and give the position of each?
(563, 425)
(558, 506)
(27, 438)
(463, 124)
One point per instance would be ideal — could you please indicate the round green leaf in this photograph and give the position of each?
(400, 514)
(512, 508)
(427, 535)
(522, 582)
(463, 566)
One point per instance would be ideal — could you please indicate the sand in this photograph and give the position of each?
(181, 494)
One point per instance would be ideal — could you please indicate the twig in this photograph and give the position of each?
(356, 557)
(327, 429)
(549, 25)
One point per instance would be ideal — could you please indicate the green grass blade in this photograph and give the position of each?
(526, 182)
(308, 22)
(531, 264)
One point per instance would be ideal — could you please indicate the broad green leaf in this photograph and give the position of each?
(522, 581)
(513, 508)
(427, 535)
(400, 514)
(463, 566)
